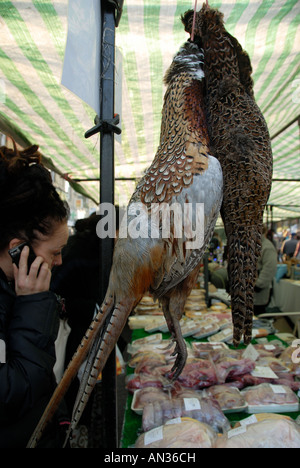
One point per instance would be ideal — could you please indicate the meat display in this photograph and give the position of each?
(137, 381)
(152, 358)
(268, 433)
(282, 378)
(205, 410)
(228, 397)
(147, 395)
(186, 432)
(266, 394)
(217, 379)
(198, 374)
(230, 369)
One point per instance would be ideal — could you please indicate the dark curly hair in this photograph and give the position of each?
(29, 203)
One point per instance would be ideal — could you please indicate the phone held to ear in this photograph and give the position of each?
(15, 254)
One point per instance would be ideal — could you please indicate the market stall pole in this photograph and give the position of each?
(106, 124)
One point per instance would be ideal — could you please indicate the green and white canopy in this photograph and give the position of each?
(36, 108)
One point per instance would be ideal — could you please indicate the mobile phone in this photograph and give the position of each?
(15, 254)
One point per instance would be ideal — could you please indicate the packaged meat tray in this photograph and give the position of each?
(155, 358)
(206, 328)
(224, 335)
(194, 314)
(135, 382)
(145, 396)
(270, 398)
(147, 322)
(137, 344)
(230, 399)
(205, 409)
(191, 327)
(223, 319)
(158, 324)
(164, 348)
(207, 350)
(178, 433)
(274, 432)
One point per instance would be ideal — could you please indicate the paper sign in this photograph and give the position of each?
(264, 372)
(153, 436)
(174, 421)
(250, 353)
(81, 69)
(278, 389)
(237, 431)
(251, 420)
(191, 404)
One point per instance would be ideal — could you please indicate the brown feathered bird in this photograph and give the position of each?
(240, 140)
(166, 230)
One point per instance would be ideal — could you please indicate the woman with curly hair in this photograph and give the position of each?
(31, 213)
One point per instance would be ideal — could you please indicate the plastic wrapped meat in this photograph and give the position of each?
(268, 433)
(206, 410)
(225, 335)
(164, 348)
(228, 398)
(275, 364)
(284, 378)
(191, 327)
(138, 344)
(273, 348)
(208, 350)
(230, 369)
(214, 351)
(178, 391)
(198, 374)
(206, 328)
(266, 394)
(155, 359)
(137, 381)
(147, 395)
(186, 433)
(286, 358)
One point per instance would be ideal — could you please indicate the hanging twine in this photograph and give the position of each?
(194, 19)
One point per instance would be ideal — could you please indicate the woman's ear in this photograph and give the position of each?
(14, 243)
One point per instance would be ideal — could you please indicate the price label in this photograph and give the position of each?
(153, 436)
(191, 404)
(250, 353)
(265, 372)
(236, 431)
(278, 389)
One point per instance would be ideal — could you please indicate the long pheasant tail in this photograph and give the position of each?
(110, 333)
(244, 247)
(71, 371)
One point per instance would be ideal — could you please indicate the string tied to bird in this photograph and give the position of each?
(194, 19)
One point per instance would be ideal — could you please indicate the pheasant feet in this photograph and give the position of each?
(181, 352)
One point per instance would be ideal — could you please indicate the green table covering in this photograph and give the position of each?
(132, 426)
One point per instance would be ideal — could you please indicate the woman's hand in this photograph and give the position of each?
(37, 280)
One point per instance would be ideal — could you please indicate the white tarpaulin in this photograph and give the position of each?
(35, 106)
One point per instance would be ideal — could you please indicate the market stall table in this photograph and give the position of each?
(132, 426)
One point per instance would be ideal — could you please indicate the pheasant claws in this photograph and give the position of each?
(179, 362)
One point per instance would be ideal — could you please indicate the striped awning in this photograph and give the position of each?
(36, 108)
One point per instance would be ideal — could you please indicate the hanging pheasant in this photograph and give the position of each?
(183, 175)
(240, 140)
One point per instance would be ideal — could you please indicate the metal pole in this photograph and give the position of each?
(107, 173)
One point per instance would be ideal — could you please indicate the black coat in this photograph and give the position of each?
(28, 327)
